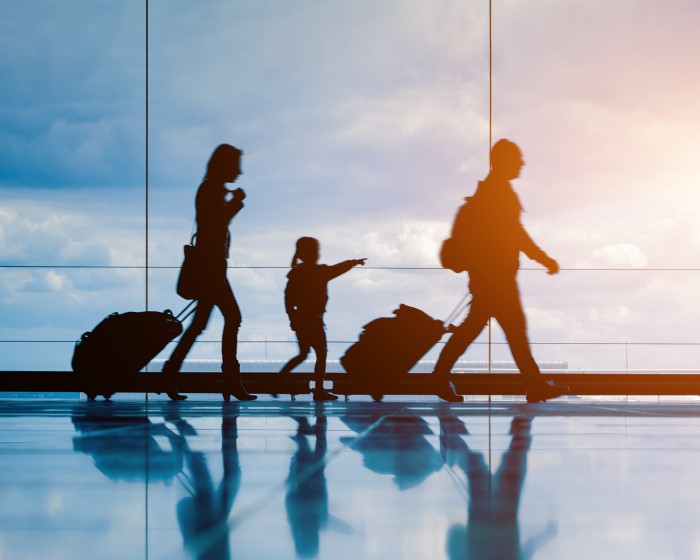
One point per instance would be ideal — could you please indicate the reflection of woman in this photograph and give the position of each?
(214, 213)
(203, 516)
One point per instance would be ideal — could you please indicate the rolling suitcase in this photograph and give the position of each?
(123, 344)
(389, 347)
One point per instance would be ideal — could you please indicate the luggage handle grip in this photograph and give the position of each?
(182, 316)
(456, 312)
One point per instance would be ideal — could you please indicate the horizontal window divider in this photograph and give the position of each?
(261, 267)
(478, 343)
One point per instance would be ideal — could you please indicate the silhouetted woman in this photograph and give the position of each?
(215, 210)
(305, 300)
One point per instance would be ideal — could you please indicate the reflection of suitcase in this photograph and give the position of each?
(123, 344)
(389, 347)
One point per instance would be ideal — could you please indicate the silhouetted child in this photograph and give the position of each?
(305, 300)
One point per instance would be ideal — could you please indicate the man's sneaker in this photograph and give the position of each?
(541, 392)
(447, 393)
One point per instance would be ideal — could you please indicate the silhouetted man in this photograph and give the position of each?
(493, 267)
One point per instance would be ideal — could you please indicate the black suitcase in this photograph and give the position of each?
(389, 347)
(123, 344)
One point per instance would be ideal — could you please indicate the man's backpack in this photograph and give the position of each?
(460, 251)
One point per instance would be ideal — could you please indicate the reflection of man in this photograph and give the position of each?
(492, 531)
(495, 257)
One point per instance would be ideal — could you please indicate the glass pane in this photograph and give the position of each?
(72, 174)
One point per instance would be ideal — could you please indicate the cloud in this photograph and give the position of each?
(39, 234)
(621, 254)
(414, 243)
(364, 124)
(73, 96)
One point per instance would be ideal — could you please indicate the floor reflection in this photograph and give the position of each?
(124, 447)
(203, 515)
(492, 530)
(307, 492)
(347, 480)
(394, 445)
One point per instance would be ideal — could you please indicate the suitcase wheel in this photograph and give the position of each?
(377, 397)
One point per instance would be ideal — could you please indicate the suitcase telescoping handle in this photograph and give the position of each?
(186, 312)
(457, 311)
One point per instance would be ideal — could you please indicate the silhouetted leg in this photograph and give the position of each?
(228, 305)
(296, 360)
(321, 349)
(317, 339)
(230, 366)
(465, 334)
(198, 324)
(174, 363)
(511, 317)
(304, 348)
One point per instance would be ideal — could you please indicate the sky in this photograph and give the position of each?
(363, 124)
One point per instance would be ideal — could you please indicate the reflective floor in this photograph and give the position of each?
(280, 479)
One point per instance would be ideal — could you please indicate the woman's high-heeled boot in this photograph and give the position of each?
(234, 386)
(170, 387)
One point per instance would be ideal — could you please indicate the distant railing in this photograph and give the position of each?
(265, 347)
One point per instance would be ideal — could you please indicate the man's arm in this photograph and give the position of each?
(533, 251)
